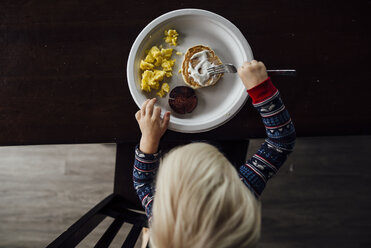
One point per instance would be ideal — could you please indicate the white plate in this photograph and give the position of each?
(216, 104)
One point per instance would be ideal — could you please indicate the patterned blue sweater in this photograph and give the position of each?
(258, 170)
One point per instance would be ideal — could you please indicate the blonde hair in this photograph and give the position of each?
(200, 201)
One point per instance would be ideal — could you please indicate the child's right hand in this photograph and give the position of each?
(252, 73)
(151, 125)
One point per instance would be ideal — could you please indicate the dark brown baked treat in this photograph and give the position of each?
(183, 99)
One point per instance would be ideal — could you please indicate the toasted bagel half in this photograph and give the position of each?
(191, 60)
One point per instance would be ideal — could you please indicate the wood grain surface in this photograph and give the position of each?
(45, 189)
(320, 198)
(63, 79)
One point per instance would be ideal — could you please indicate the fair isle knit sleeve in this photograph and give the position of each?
(280, 141)
(144, 173)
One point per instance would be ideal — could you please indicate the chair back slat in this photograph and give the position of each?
(133, 235)
(80, 229)
(109, 234)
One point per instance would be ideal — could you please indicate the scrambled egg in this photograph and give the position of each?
(167, 65)
(158, 57)
(171, 36)
(164, 89)
(145, 65)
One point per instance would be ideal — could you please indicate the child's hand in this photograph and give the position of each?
(151, 125)
(252, 73)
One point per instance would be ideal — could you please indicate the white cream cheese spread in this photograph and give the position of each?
(199, 73)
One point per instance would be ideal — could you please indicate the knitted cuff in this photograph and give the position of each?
(141, 155)
(262, 91)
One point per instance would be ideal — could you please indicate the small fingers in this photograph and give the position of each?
(156, 113)
(149, 107)
(243, 67)
(143, 108)
(165, 121)
(138, 115)
(262, 65)
(245, 64)
(239, 70)
(255, 66)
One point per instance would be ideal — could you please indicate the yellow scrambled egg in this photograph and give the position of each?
(171, 36)
(164, 89)
(156, 58)
(151, 79)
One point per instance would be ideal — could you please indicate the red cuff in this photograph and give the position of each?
(262, 91)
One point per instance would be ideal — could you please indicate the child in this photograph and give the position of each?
(201, 200)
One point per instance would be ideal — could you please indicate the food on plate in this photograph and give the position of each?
(171, 36)
(196, 61)
(158, 64)
(183, 99)
(164, 89)
(145, 65)
(151, 77)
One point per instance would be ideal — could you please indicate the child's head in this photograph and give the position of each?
(200, 201)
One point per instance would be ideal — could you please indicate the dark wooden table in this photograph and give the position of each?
(63, 66)
(63, 80)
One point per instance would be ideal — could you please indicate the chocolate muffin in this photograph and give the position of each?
(183, 99)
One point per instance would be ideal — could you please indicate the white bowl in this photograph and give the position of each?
(216, 104)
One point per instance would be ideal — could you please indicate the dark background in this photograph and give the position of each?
(63, 66)
(63, 80)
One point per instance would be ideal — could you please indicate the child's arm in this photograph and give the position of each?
(279, 128)
(146, 154)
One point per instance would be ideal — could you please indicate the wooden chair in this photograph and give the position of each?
(123, 204)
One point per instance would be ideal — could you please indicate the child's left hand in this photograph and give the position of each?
(151, 125)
